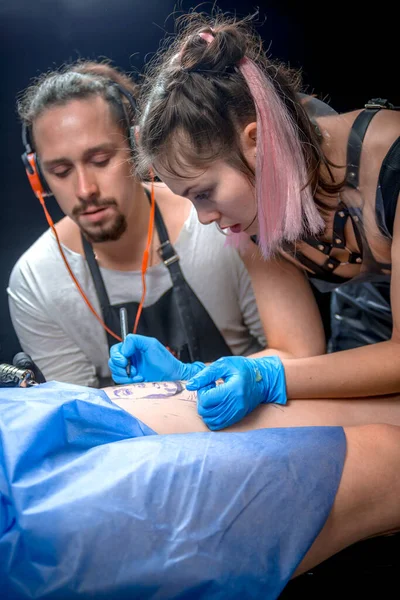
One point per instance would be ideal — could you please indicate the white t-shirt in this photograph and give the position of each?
(57, 329)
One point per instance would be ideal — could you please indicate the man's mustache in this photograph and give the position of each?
(85, 206)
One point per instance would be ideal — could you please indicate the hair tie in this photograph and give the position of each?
(208, 37)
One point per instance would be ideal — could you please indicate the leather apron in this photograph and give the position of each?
(178, 319)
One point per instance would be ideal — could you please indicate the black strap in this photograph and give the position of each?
(321, 271)
(96, 275)
(356, 138)
(389, 181)
(354, 146)
(171, 260)
(328, 268)
(166, 250)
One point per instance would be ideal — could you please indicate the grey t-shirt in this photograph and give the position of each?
(56, 328)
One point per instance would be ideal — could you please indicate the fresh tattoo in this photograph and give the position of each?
(152, 391)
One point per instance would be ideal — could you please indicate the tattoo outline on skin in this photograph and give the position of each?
(168, 389)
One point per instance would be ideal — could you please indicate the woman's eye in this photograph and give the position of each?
(202, 196)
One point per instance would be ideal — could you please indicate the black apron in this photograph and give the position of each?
(178, 319)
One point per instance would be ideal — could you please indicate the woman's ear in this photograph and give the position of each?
(249, 142)
(249, 135)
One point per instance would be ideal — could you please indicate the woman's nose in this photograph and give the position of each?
(207, 216)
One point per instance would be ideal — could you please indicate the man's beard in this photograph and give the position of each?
(111, 232)
(96, 234)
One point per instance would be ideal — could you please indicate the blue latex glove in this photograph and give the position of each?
(248, 382)
(150, 361)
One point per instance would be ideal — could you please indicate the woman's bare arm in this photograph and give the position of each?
(370, 370)
(286, 305)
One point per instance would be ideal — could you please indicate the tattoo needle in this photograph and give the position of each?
(123, 319)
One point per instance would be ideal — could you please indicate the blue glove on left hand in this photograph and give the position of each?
(150, 361)
(248, 382)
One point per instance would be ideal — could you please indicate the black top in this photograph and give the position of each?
(385, 207)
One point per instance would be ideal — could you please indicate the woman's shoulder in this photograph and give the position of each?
(381, 134)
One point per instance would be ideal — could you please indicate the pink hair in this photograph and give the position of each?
(286, 209)
(285, 206)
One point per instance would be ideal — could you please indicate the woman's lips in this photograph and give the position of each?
(236, 228)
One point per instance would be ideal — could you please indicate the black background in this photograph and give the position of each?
(347, 53)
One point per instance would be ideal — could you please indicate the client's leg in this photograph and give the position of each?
(168, 407)
(366, 503)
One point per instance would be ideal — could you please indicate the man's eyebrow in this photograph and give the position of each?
(87, 154)
(100, 148)
(54, 162)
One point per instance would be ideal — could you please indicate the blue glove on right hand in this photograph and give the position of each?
(150, 361)
(247, 382)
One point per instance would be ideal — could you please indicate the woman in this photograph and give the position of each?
(227, 128)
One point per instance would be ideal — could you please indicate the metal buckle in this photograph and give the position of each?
(169, 260)
(378, 103)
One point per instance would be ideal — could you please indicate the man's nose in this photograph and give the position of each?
(86, 185)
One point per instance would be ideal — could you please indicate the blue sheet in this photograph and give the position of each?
(93, 504)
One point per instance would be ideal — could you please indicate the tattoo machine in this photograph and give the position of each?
(123, 319)
(14, 377)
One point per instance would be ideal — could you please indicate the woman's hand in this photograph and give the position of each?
(248, 382)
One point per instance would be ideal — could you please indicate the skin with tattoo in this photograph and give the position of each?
(168, 407)
(366, 503)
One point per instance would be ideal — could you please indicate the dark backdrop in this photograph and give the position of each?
(347, 54)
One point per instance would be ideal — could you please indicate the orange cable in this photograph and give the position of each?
(80, 290)
(146, 253)
(145, 261)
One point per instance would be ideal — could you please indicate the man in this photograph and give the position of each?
(78, 127)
